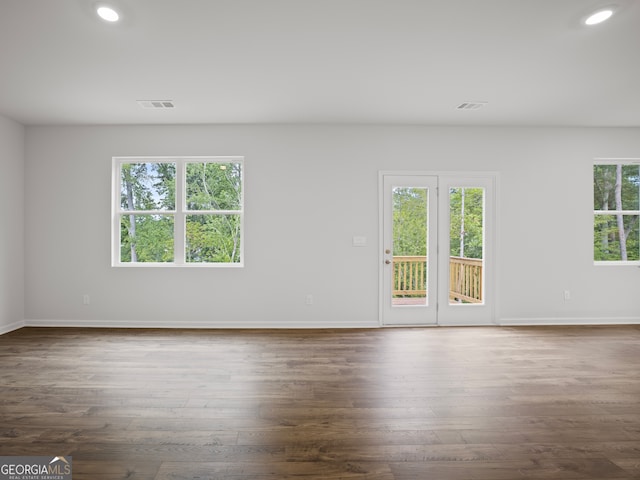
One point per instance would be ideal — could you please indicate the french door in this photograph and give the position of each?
(437, 255)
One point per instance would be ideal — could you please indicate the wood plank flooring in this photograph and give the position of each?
(384, 404)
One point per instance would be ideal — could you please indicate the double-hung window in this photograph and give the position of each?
(616, 212)
(177, 211)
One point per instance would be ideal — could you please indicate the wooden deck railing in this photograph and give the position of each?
(465, 278)
(409, 276)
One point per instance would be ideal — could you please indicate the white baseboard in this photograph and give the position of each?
(283, 324)
(508, 322)
(11, 327)
(465, 323)
(197, 324)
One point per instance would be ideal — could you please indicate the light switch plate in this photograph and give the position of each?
(359, 241)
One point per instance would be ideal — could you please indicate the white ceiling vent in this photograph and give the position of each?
(156, 104)
(471, 105)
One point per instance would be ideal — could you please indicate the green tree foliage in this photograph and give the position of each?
(466, 225)
(211, 188)
(152, 241)
(214, 186)
(616, 236)
(409, 221)
(147, 187)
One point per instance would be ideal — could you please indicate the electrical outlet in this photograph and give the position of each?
(308, 299)
(567, 295)
(86, 300)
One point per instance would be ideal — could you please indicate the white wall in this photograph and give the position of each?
(309, 190)
(12, 138)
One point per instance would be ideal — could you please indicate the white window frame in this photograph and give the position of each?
(180, 212)
(613, 161)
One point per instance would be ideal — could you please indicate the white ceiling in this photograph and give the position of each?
(321, 61)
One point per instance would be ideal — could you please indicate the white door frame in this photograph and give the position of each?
(485, 314)
(423, 314)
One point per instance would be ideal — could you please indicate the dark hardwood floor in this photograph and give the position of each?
(404, 404)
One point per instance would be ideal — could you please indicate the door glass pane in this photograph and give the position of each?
(466, 240)
(410, 207)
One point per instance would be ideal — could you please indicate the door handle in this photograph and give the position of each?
(387, 262)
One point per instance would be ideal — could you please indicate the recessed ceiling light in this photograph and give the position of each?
(599, 16)
(108, 14)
